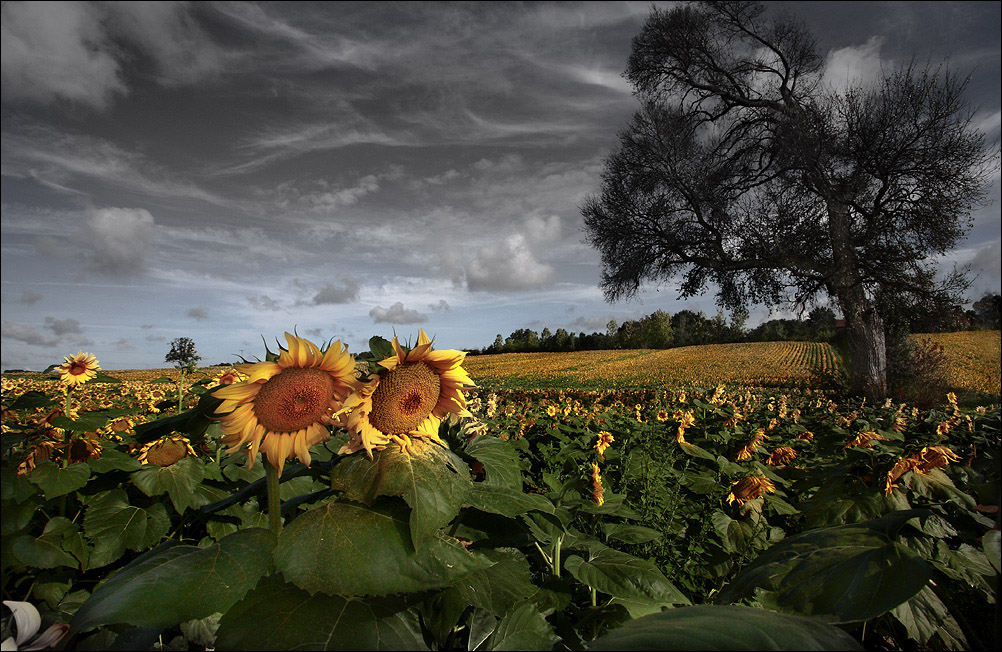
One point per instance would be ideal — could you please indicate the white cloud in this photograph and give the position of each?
(264, 302)
(120, 239)
(396, 314)
(30, 298)
(858, 65)
(441, 306)
(124, 345)
(27, 334)
(508, 267)
(542, 230)
(70, 51)
(57, 50)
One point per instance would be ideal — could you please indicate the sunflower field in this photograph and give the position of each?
(407, 497)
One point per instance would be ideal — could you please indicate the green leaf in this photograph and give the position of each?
(499, 587)
(46, 550)
(923, 615)
(524, 628)
(506, 501)
(179, 481)
(30, 400)
(353, 549)
(500, 462)
(55, 481)
(90, 421)
(113, 460)
(114, 526)
(622, 575)
(737, 535)
(846, 573)
(630, 533)
(280, 616)
(435, 485)
(728, 627)
(380, 347)
(16, 487)
(178, 583)
(990, 543)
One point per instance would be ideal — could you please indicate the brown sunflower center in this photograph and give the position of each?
(294, 399)
(77, 368)
(404, 398)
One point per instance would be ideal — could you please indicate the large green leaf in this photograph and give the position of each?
(179, 481)
(730, 627)
(48, 549)
(113, 525)
(523, 628)
(30, 400)
(351, 549)
(90, 421)
(55, 481)
(114, 460)
(631, 533)
(924, 614)
(737, 535)
(622, 575)
(990, 543)
(497, 588)
(435, 485)
(507, 501)
(280, 616)
(178, 583)
(500, 462)
(846, 573)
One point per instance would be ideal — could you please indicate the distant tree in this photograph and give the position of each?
(183, 354)
(744, 169)
(185, 357)
(657, 330)
(988, 311)
(497, 346)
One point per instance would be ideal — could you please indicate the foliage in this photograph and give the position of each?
(498, 539)
(183, 354)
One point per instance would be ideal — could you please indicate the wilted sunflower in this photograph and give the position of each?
(598, 491)
(284, 406)
(749, 488)
(420, 387)
(78, 369)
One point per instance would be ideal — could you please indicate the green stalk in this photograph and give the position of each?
(180, 391)
(274, 499)
(556, 555)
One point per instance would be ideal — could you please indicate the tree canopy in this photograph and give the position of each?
(743, 168)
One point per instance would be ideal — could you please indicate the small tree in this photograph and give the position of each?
(185, 357)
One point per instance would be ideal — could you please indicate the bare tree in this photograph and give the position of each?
(742, 168)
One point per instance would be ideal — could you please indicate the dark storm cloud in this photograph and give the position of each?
(63, 326)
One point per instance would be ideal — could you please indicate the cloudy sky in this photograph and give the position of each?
(227, 171)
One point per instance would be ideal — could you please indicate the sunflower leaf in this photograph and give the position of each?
(435, 485)
(279, 616)
(846, 573)
(55, 481)
(719, 627)
(351, 549)
(178, 583)
(179, 481)
(113, 525)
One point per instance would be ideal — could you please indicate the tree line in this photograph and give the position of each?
(659, 330)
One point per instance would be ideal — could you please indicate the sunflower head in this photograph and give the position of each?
(749, 488)
(166, 450)
(410, 394)
(78, 369)
(286, 402)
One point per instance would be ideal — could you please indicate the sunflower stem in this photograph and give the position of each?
(274, 499)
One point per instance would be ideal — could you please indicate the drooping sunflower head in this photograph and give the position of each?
(78, 369)
(749, 488)
(413, 392)
(166, 450)
(285, 404)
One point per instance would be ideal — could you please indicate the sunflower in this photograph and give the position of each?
(284, 406)
(598, 491)
(749, 488)
(419, 388)
(166, 450)
(78, 369)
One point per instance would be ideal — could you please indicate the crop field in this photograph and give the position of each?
(585, 496)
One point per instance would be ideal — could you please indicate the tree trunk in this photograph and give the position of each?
(867, 348)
